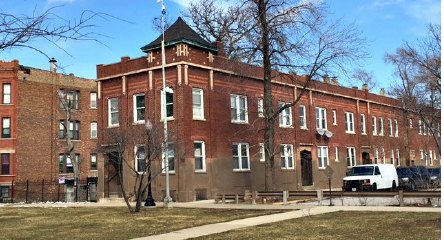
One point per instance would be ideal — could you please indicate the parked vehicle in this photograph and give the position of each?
(435, 177)
(413, 177)
(371, 177)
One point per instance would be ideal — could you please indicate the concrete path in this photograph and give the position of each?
(299, 211)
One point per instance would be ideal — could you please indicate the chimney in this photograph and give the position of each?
(53, 65)
(365, 86)
(335, 81)
(219, 44)
(326, 78)
(382, 92)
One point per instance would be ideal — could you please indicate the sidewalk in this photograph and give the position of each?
(299, 211)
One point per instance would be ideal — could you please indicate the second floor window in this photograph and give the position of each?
(139, 108)
(395, 123)
(260, 107)
(198, 104)
(71, 97)
(6, 127)
(349, 122)
(374, 126)
(363, 127)
(74, 130)
(199, 156)
(65, 163)
(321, 118)
(390, 127)
(93, 130)
(285, 119)
(5, 164)
(93, 100)
(93, 162)
(238, 108)
(113, 112)
(303, 117)
(6, 93)
(167, 105)
(381, 126)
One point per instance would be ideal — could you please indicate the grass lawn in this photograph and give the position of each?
(118, 223)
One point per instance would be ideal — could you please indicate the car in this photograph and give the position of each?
(371, 177)
(435, 177)
(412, 178)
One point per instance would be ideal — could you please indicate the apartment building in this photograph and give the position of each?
(214, 110)
(35, 164)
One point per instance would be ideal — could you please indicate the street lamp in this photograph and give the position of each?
(149, 199)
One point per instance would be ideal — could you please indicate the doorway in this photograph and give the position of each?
(306, 168)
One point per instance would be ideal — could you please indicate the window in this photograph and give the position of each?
(198, 103)
(71, 97)
(93, 162)
(303, 116)
(113, 112)
(363, 127)
(93, 130)
(74, 130)
(241, 156)
(199, 156)
(398, 162)
(421, 130)
(374, 126)
(6, 161)
(238, 108)
(421, 154)
(65, 164)
(6, 93)
(62, 129)
(287, 156)
(139, 108)
(412, 154)
(334, 118)
(390, 127)
(381, 126)
(376, 155)
(260, 107)
(323, 156)
(321, 118)
(411, 123)
(5, 192)
(170, 159)
(93, 100)
(285, 119)
(336, 154)
(6, 127)
(261, 152)
(430, 157)
(351, 156)
(396, 128)
(383, 155)
(169, 103)
(392, 156)
(140, 158)
(349, 122)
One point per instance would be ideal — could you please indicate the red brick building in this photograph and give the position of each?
(214, 109)
(32, 145)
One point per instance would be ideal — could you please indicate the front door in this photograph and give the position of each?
(306, 168)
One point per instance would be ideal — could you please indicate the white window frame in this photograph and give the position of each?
(6, 91)
(238, 114)
(113, 112)
(336, 154)
(170, 158)
(238, 164)
(376, 155)
(421, 154)
(381, 126)
(383, 155)
(390, 127)
(285, 116)
(322, 156)
(94, 131)
(321, 118)
(165, 105)
(374, 126)
(136, 108)
(139, 155)
(198, 103)
(430, 157)
(287, 157)
(199, 156)
(351, 157)
(93, 100)
(420, 127)
(260, 107)
(303, 116)
(398, 160)
(363, 126)
(392, 156)
(349, 122)
(396, 127)
(335, 122)
(93, 159)
(261, 152)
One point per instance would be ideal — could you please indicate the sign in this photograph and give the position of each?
(328, 171)
(61, 180)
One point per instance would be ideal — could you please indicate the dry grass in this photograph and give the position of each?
(118, 223)
(108, 223)
(346, 225)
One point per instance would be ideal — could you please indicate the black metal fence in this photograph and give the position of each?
(50, 191)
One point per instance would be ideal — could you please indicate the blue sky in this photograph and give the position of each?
(386, 24)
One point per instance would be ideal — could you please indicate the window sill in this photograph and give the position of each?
(241, 170)
(199, 119)
(200, 171)
(238, 122)
(285, 126)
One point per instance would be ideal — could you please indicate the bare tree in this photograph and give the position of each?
(284, 37)
(19, 31)
(363, 77)
(419, 69)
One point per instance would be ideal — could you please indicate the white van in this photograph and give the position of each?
(371, 177)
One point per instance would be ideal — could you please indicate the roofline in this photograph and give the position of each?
(181, 40)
